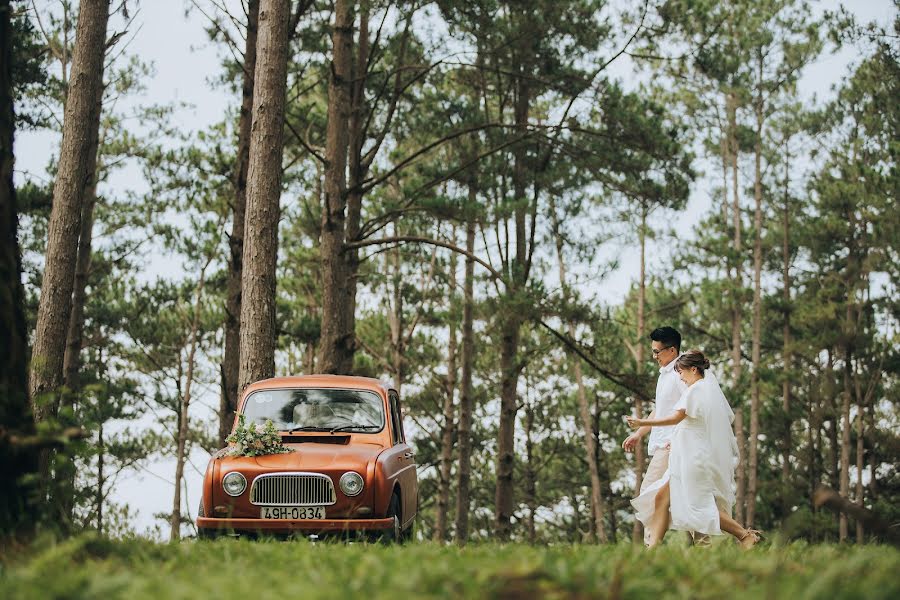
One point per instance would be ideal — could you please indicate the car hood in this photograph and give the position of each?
(312, 457)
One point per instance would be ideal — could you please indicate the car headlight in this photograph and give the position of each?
(351, 483)
(234, 483)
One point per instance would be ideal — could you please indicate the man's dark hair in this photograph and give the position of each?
(668, 336)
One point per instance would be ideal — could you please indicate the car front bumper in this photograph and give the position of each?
(310, 526)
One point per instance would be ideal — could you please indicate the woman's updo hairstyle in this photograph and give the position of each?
(692, 358)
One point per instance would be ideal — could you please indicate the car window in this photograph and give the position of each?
(296, 409)
(397, 419)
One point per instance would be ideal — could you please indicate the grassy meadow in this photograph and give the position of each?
(90, 567)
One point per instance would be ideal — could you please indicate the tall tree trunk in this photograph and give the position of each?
(829, 414)
(75, 335)
(446, 459)
(530, 475)
(258, 333)
(101, 478)
(756, 352)
(466, 399)
(183, 419)
(834, 445)
(592, 451)
(637, 532)
(394, 291)
(358, 171)
(598, 532)
(338, 340)
(81, 122)
(17, 511)
(510, 329)
(231, 360)
(845, 431)
(503, 497)
(873, 461)
(860, 455)
(578, 533)
(787, 350)
(815, 405)
(737, 307)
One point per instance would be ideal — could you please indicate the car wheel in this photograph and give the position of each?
(408, 535)
(395, 534)
(202, 532)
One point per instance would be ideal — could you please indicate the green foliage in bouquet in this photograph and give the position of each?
(255, 440)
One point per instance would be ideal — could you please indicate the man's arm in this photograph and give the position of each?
(635, 438)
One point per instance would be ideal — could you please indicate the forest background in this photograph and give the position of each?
(585, 171)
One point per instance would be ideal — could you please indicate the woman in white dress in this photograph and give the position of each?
(697, 492)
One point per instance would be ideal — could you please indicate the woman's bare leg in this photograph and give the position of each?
(659, 524)
(731, 526)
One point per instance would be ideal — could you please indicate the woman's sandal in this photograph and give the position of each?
(750, 539)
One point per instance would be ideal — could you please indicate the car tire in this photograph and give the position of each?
(202, 532)
(395, 535)
(410, 533)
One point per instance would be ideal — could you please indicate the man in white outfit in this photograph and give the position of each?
(665, 343)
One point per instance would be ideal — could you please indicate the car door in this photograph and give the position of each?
(409, 485)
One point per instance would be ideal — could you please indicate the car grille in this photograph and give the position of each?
(292, 489)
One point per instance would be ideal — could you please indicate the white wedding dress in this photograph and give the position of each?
(701, 462)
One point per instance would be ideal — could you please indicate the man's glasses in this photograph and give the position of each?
(656, 351)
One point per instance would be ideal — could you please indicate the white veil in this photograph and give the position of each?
(722, 441)
(714, 382)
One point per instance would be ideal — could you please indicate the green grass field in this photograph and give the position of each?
(89, 567)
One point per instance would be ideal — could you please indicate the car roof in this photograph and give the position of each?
(320, 381)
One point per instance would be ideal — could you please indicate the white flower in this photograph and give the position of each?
(260, 428)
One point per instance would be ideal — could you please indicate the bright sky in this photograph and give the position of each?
(185, 61)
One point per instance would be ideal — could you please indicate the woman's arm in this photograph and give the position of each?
(676, 418)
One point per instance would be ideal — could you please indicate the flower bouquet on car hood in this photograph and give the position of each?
(255, 440)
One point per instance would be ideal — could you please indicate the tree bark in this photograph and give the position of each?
(449, 409)
(860, 455)
(101, 478)
(511, 324)
(845, 431)
(184, 415)
(530, 475)
(257, 332)
(756, 352)
(637, 532)
(75, 335)
(466, 399)
(737, 308)
(338, 340)
(231, 359)
(394, 293)
(81, 122)
(787, 350)
(17, 512)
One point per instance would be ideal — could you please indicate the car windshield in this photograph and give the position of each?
(316, 409)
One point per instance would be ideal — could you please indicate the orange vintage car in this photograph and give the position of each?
(349, 471)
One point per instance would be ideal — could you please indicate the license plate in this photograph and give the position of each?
(295, 513)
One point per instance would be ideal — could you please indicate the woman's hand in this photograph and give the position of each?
(634, 422)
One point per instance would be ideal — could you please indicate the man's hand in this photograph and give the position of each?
(631, 441)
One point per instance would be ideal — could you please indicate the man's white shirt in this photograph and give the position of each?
(669, 388)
